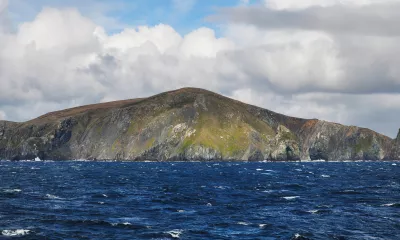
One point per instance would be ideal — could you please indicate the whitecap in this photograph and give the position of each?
(262, 225)
(291, 197)
(313, 211)
(175, 233)
(259, 169)
(12, 190)
(13, 233)
(269, 191)
(349, 190)
(104, 195)
(325, 176)
(243, 223)
(394, 164)
(390, 204)
(297, 236)
(181, 211)
(50, 196)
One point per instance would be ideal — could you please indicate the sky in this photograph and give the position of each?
(335, 60)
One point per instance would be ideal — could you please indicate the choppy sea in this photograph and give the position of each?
(201, 200)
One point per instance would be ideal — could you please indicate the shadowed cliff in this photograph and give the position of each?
(187, 124)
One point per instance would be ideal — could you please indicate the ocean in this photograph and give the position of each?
(199, 200)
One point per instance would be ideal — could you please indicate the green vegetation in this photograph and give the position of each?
(286, 136)
(231, 136)
(363, 144)
(116, 145)
(132, 128)
(149, 143)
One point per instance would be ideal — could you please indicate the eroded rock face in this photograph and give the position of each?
(187, 124)
(396, 147)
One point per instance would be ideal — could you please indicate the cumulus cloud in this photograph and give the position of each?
(49, 63)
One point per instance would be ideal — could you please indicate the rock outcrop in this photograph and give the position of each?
(188, 124)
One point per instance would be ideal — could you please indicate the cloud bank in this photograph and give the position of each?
(334, 60)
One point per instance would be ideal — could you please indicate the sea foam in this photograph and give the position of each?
(13, 233)
(291, 197)
(175, 233)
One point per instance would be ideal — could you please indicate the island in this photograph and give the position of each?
(188, 124)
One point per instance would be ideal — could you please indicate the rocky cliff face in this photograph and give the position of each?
(187, 124)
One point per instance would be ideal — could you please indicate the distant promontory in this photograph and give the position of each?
(188, 124)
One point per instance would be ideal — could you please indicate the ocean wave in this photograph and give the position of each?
(243, 223)
(14, 233)
(176, 233)
(319, 211)
(12, 190)
(50, 196)
(391, 205)
(263, 225)
(299, 237)
(124, 223)
(291, 197)
(313, 211)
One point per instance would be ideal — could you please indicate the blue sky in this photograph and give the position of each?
(183, 15)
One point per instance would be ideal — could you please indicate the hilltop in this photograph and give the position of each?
(187, 124)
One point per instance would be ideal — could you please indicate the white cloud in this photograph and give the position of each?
(3, 5)
(2, 115)
(49, 63)
(301, 4)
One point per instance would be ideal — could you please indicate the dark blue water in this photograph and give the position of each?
(120, 200)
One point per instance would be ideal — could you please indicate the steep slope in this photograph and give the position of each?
(186, 124)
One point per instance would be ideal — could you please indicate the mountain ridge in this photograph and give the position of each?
(187, 124)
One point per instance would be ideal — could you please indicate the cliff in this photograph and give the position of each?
(187, 124)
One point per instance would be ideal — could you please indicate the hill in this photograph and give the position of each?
(187, 124)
